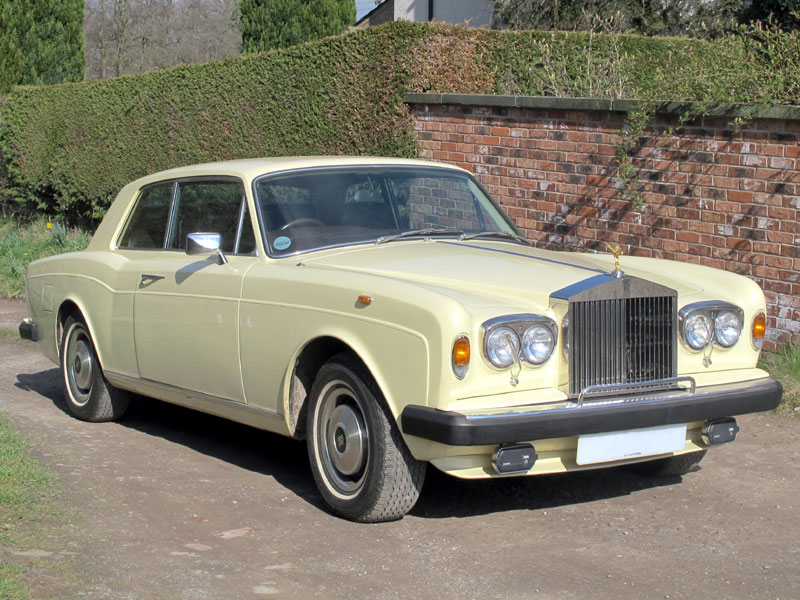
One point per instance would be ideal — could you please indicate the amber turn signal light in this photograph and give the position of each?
(759, 330)
(461, 356)
(461, 351)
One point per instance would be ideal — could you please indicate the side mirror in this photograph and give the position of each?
(205, 243)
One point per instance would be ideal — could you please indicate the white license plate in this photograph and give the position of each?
(618, 445)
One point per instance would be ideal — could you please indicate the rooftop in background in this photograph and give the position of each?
(473, 13)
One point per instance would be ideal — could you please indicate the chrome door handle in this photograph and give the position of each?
(148, 277)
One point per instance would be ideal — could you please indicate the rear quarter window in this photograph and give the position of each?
(147, 226)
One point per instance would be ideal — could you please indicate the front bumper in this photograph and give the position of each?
(711, 402)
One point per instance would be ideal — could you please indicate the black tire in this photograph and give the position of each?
(668, 467)
(361, 465)
(89, 396)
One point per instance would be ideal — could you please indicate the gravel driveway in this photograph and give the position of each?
(174, 504)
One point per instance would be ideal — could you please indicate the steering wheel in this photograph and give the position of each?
(303, 221)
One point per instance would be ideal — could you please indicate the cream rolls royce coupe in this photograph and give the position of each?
(388, 312)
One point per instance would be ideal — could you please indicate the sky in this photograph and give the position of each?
(363, 7)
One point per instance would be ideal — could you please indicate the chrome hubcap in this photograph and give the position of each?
(82, 365)
(342, 439)
(346, 440)
(79, 365)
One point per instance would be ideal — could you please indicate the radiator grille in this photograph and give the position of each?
(626, 340)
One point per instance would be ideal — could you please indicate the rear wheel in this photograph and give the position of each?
(668, 467)
(360, 463)
(89, 396)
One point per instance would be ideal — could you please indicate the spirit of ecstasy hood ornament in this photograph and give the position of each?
(616, 251)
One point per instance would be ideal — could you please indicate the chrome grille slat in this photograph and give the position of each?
(622, 341)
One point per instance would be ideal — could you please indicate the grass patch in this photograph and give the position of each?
(11, 585)
(26, 491)
(785, 367)
(24, 484)
(21, 243)
(11, 334)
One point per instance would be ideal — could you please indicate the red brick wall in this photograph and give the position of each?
(712, 195)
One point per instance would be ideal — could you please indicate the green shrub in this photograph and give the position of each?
(785, 367)
(21, 244)
(268, 24)
(41, 42)
(67, 149)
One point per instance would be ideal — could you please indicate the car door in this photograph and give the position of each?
(186, 308)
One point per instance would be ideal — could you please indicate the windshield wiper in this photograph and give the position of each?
(503, 234)
(413, 232)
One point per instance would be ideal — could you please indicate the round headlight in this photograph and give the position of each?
(537, 344)
(697, 331)
(727, 328)
(502, 347)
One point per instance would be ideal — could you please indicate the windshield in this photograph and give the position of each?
(318, 208)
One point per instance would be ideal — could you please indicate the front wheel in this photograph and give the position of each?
(89, 396)
(360, 463)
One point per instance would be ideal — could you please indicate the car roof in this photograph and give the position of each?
(251, 168)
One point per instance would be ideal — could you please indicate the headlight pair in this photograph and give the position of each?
(526, 338)
(704, 323)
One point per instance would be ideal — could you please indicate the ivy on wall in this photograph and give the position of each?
(69, 148)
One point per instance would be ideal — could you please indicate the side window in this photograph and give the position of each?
(147, 225)
(206, 206)
(246, 242)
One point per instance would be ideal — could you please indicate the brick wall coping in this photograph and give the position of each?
(719, 109)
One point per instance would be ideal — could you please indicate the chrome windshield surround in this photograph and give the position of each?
(710, 308)
(519, 324)
(492, 205)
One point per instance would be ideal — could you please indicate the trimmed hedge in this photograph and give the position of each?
(69, 148)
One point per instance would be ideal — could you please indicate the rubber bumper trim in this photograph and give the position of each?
(711, 402)
(28, 331)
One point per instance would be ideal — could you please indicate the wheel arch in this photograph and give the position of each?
(308, 361)
(70, 307)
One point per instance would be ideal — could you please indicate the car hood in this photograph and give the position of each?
(494, 273)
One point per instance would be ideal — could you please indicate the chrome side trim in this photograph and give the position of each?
(213, 405)
(529, 256)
